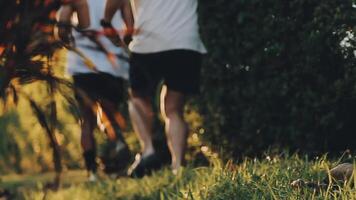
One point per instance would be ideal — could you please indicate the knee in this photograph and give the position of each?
(172, 110)
(141, 106)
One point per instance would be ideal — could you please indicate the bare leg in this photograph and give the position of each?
(113, 121)
(87, 138)
(172, 105)
(87, 127)
(141, 115)
(114, 125)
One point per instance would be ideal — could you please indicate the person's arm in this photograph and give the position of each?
(126, 13)
(82, 9)
(65, 29)
(65, 16)
(65, 13)
(110, 9)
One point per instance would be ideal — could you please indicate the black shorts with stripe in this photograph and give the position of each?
(178, 69)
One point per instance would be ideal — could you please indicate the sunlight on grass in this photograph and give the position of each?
(268, 178)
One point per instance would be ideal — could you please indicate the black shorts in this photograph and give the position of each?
(179, 69)
(100, 86)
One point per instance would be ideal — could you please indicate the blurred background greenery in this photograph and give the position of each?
(24, 146)
(279, 74)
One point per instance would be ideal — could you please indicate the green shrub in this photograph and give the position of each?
(277, 75)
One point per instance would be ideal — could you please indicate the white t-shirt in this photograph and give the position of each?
(165, 25)
(76, 64)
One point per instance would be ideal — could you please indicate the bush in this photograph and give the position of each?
(279, 73)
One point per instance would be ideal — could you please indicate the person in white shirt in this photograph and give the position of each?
(100, 90)
(166, 47)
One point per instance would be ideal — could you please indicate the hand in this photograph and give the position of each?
(127, 39)
(111, 34)
(65, 34)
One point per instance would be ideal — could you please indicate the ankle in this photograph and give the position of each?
(119, 145)
(90, 162)
(92, 176)
(148, 151)
(176, 164)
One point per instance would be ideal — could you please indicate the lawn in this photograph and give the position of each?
(267, 178)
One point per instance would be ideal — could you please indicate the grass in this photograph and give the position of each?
(268, 178)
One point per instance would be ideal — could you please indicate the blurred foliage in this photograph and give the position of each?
(27, 47)
(38, 114)
(24, 143)
(279, 73)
